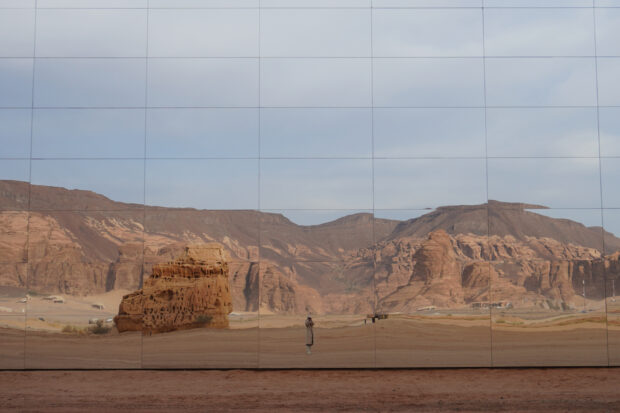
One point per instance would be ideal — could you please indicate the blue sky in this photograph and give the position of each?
(316, 133)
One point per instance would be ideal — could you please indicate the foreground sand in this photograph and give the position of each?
(404, 342)
(466, 390)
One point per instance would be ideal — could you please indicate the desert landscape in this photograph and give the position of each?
(309, 205)
(474, 285)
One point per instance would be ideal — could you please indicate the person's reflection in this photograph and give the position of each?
(309, 334)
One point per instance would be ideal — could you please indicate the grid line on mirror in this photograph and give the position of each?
(28, 228)
(598, 134)
(486, 169)
(259, 198)
(269, 165)
(146, 102)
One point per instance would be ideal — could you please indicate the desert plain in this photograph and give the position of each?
(428, 339)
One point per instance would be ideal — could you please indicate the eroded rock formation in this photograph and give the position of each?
(353, 265)
(458, 270)
(189, 292)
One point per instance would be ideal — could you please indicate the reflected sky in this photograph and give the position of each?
(428, 82)
(610, 175)
(15, 83)
(89, 83)
(16, 33)
(609, 88)
(609, 120)
(316, 85)
(309, 218)
(318, 33)
(428, 183)
(426, 3)
(427, 32)
(315, 3)
(83, 32)
(611, 221)
(195, 33)
(15, 169)
(88, 133)
(608, 32)
(539, 32)
(123, 178)
(92, 3)
(419, 133)
(537, 3)
(310, 184)
(555, 183)
(202, 82)
(203, 184)
(15, 133)
(309, 82)
(537, 132)
(401, 215)
(307, 133)
(541, 82)
(202, 133)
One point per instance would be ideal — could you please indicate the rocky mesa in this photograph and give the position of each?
(80, 243)
(189, 292)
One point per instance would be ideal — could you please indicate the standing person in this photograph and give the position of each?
(309, 334)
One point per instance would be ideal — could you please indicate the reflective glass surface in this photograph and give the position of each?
(309, 183)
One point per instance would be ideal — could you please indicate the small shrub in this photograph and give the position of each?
(69, 329)
(73, 330)
(203, 319)
(99, 328)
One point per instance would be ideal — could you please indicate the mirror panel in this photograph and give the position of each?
(547, 287)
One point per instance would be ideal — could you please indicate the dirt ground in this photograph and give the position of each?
(389, 343)
(465, 390)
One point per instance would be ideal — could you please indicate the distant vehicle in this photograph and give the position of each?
(98, 306)
(377, 316)
(41, 319)
(502, 305)
(427, 308)
(109, 320)
(59, 300)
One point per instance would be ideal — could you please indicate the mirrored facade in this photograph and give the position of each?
(309, 184)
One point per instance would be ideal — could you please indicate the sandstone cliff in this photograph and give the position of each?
(355, 264)
(453, 271)
(189, 292)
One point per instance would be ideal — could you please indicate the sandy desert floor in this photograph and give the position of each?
(388, 343)
(463, 390)
(441, 339)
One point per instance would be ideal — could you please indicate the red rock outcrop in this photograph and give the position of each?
(435, 278)
(454, 271)
(189, 292)
(341, 267)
